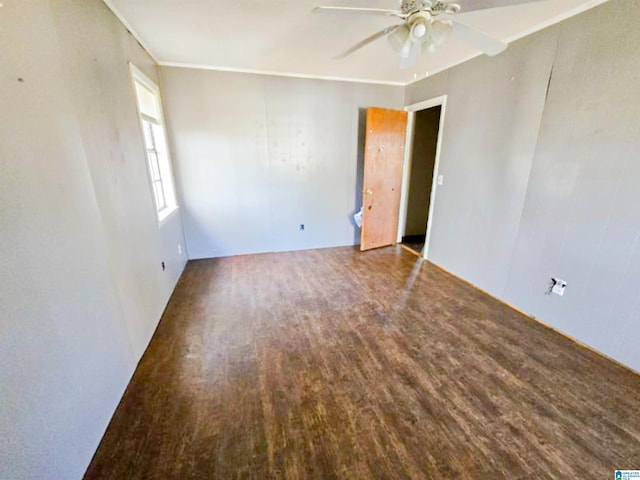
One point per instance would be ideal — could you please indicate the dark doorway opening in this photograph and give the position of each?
(423, 159)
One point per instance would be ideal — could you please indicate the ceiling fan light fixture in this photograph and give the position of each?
(428, 47)
(439, 31)
(418, 30)
(407, 49)
(398, 38)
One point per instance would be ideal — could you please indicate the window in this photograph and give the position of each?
(158, 162)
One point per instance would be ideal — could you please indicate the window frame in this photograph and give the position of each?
(143, 121)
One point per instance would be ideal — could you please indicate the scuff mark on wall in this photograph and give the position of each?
(546, 95)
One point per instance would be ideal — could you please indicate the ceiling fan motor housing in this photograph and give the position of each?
(441, 6)
(409, 6)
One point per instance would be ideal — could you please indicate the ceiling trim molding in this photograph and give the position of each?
(280, 74)
(536, 28)
(132, 31)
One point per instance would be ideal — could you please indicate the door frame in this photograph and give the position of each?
(406, 169)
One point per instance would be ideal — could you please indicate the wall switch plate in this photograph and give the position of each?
(440, 179)
(558, 286)
(179, 249)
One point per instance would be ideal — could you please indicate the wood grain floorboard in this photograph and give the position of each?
(336, 364)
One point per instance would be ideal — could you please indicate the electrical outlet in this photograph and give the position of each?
(179, 249)
(440, 179)
(557, 286)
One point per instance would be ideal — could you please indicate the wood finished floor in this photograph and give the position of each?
(339, 364)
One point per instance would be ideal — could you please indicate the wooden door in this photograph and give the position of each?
(383, 160)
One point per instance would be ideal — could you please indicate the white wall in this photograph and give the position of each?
(545, 183)
(259, 155)
(81, 287)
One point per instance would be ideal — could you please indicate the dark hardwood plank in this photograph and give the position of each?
(339, 364)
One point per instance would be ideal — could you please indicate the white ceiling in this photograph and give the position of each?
(283, 37)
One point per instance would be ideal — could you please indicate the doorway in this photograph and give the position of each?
(419, 179)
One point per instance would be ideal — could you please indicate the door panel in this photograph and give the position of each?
(383, 160)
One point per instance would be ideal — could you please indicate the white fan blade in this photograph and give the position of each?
(475, 37)
(368, 40)
(473, 5)
(370, 11)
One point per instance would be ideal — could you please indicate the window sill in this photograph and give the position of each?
(165, 214)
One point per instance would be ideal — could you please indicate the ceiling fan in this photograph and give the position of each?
(426, 25)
